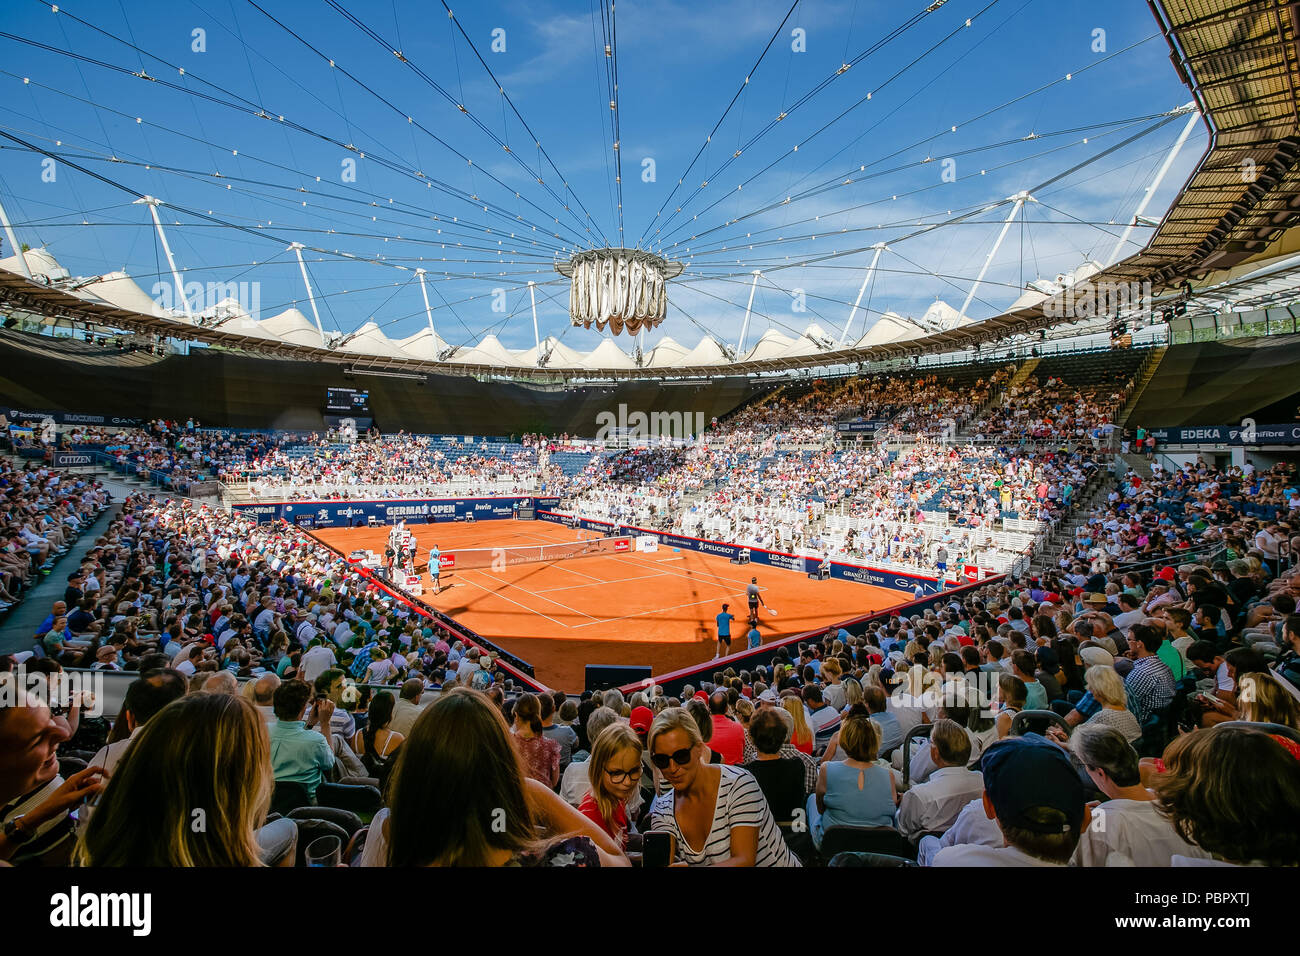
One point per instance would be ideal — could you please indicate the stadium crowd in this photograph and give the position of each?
(990, 728)
(42, 513)
(387, 466)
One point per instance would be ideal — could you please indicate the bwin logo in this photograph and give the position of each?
(75, 909)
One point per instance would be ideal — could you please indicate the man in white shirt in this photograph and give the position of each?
(1267, 541)
(1036, 796)
(1130, 612)
(1125, 830)
(315, 661)
(972, 828)
(408, 706)
(264, 696)
(465, 670)
(935, 804)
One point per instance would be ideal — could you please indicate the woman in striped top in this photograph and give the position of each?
(716, 813)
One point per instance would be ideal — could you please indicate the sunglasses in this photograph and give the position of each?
(681, 758)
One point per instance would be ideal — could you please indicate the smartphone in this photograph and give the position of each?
(657, 849)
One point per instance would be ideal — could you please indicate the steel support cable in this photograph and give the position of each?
(948, 131)
(438, 88)
(801, 101)
(374, 202)
(822, 189)
(415, 123)
(261, 113)
(301, 205)
(536, 139)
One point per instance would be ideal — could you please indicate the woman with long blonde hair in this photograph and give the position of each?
(459, 796)
(614, 772)
(203, 757)
(802, 735)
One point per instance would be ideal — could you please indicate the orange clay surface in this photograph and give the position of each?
(656, 608)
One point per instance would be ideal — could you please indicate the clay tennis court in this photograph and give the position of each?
(648, 608)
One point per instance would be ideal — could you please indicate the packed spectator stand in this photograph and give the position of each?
(1161, 648)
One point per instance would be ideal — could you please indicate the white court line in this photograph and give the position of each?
(570, 587)
(707, 574)
(562, 566)
(658, 610)
(516, 603)
(550, 600)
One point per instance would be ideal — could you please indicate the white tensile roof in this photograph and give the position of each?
(40, 262)
(607, 355)
(890, 327)
(488, 352)
(370, 340)
(770, 346)
(120, 290)
(941, 313)
(708, 352)
(293, 327)
(423, 345)
(290, 326)
(558, 355)
(667, 354)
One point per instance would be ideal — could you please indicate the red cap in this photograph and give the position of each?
(641, 719)
(1165, 574)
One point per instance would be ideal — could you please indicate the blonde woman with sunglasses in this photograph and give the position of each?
(716, 814)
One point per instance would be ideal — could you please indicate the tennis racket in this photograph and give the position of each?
(772, 611)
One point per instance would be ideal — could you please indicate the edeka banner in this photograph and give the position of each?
(1250, 434)
(347, 514)
(71, 459)
(894, 581)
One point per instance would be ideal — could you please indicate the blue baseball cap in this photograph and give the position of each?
(1024, 773)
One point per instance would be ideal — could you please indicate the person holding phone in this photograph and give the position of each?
(716, 814)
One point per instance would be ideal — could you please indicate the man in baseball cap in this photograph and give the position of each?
(641, 719)
(1036, 796)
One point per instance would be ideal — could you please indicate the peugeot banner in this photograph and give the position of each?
(893, 581)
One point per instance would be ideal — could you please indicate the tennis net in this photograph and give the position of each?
(502, 558)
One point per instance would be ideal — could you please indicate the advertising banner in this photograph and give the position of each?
(894, 581)
(356, 514)
(71, 459)
(1246, 433)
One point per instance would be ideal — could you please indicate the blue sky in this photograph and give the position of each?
(1000, 82)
